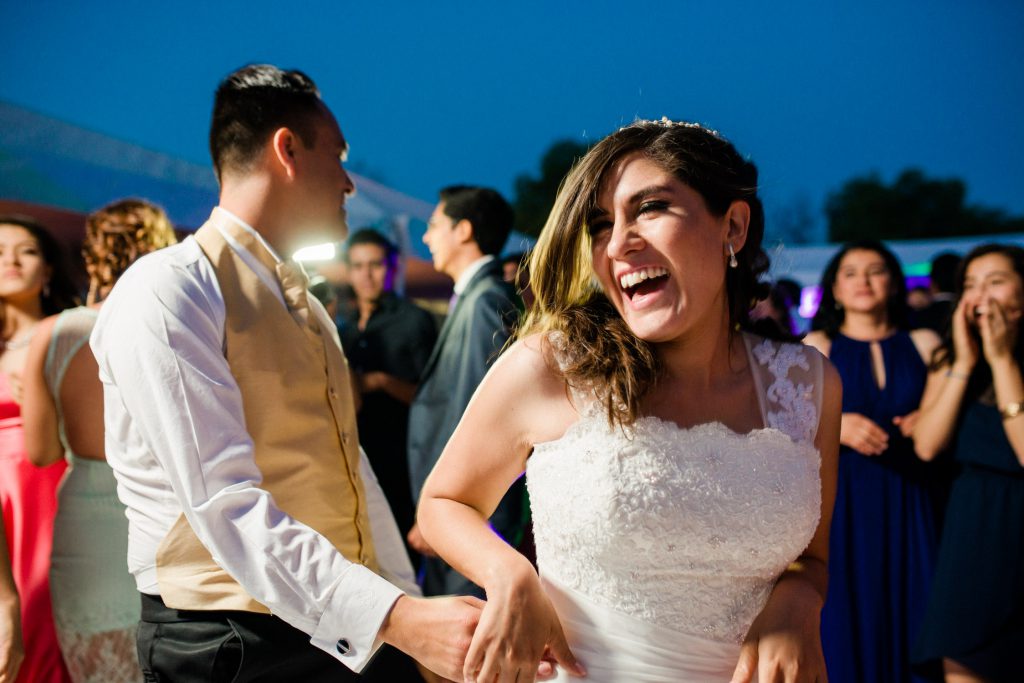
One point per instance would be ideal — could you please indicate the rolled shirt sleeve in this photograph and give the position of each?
(159, 341)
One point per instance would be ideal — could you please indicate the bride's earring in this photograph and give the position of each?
(733, 263)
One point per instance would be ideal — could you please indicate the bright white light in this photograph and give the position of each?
(317, 252)
(810, 298)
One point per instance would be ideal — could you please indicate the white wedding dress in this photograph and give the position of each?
(659, 545)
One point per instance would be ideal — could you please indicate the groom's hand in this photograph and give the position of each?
(436, 632)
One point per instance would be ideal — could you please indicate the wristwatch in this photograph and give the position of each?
(1011, 410)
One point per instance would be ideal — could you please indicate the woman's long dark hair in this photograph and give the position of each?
(604, 352)
(944, 356)
(830, 316)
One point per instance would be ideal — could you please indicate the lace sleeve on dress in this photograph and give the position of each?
(791, 377)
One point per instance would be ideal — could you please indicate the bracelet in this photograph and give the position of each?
(957, 375)
(1011, 410)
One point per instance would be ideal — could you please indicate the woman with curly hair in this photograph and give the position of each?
(95, 603)
(681, 469)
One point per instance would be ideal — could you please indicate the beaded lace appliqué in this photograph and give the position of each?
(797, 414)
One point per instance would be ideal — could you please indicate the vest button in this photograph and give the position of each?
(343, 647)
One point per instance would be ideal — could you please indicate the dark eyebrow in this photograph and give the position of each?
(647, 192)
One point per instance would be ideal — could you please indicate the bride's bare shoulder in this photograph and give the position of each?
(533, 391)
(532, 358)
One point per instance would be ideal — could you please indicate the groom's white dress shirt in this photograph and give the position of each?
(176, 438)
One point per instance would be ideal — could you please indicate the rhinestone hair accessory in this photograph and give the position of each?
(666, 122)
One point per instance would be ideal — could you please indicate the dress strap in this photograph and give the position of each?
(789, 379)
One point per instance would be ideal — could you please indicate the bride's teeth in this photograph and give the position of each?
(632, 279)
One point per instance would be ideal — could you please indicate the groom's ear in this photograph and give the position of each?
(279, 153)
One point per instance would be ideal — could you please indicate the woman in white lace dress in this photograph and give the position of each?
(95, 601)
(681, 471)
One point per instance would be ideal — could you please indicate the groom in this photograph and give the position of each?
(259, 537)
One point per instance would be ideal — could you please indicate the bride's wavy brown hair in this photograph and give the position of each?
(602, 350)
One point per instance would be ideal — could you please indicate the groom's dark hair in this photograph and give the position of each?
(252, 103)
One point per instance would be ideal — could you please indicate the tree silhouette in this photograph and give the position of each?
(913, 207)
(794, 221)
(536, 195)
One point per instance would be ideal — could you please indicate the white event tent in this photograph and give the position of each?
(57, 172)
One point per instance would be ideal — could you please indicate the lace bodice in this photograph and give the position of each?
(685, 528)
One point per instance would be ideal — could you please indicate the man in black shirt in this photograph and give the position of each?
(387, 341)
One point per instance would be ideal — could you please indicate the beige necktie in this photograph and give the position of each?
(294, 286)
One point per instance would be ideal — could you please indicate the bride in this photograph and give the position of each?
(681, 469)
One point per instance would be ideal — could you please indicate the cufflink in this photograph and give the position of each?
(343, 647)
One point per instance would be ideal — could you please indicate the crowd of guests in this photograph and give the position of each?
(926, 568)
(66, 529)
(75, 596)
(905, 593)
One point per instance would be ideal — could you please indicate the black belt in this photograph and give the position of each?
(156, 612)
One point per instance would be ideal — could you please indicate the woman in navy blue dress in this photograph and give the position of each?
(883, 541)
(974, 400)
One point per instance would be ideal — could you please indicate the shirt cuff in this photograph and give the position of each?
(349, 626)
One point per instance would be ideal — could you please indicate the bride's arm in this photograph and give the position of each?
(520, 402)
(784, 642)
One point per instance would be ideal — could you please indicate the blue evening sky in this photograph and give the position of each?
(435, 93)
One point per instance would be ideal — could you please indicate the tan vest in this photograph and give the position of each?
(298, 410)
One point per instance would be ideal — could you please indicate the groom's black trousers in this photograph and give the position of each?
(223, 646)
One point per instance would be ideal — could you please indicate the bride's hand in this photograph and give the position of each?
(784, 642)
(519, 637)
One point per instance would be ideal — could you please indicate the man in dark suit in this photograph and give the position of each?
(466, 232)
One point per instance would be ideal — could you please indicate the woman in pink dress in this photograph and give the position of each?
(34, 283)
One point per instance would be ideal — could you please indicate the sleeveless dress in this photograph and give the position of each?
(883, 539)
(29, 498)
(975, 613)
(95, 602)
(659, 545)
